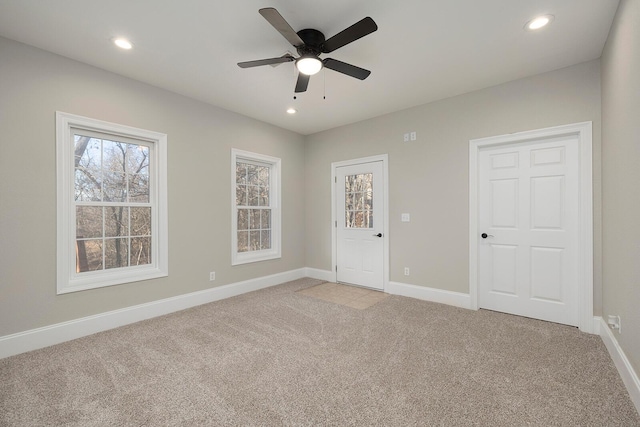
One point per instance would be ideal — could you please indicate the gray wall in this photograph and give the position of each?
(33, 85)
(621, 176)
(429, 178)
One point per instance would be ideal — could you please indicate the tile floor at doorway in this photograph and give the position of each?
(350, 296)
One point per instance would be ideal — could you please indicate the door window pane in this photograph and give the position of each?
(359, 201)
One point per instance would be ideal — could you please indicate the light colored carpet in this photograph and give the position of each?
(276, 357)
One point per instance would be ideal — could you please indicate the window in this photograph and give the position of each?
(358, 193)
(255, 198)
(112, 203)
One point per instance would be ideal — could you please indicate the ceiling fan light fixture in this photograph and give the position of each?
(309, 65)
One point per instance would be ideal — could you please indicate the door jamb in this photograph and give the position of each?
(384, 158)
(585, 228)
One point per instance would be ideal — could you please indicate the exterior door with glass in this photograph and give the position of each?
(360, 224)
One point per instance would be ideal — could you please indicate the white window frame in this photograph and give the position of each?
(67, 278)
(274, 199)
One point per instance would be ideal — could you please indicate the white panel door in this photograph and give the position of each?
(360, 224)
(528, 219)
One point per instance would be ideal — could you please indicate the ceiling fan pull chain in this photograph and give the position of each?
(324, 84)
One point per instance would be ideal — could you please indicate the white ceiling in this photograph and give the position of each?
(424, 50)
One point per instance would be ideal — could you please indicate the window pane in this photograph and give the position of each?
(87, 187)
(243, 219)
(116, 221)
(114, 187)
(140, 221)
(265, 222)
(113, 171)
(113, 156)
(88, 221)
(243, 241)
(264, 196)
(350, 201)
(254, 219)
(138, 188)
(137, 159)
(265, 241)
(87, 151)
(116, 253)
(254, 240)
(140, 250)
(252, 174)
(262, 173)
(253, 195)
(349, 219)
(88, 168)
(241, 173)
(88, 255)
(368, 199)
(241, 195)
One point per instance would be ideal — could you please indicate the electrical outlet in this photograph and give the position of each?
(615, 322)
(414, 136)
(212, 276)
(405, 217)
(406, 271)
(406, 137)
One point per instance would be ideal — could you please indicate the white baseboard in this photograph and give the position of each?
(315, 273)
(628, 374)
(60, 332)
(441, 296)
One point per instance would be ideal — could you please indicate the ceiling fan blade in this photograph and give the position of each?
(351, 34)
(344, 68)
(302, 83)
(283, 27)
(269, 61)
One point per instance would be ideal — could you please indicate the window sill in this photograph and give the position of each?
(101, 280)
(249, 257)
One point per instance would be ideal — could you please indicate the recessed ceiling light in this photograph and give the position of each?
(539, 22)
(292, 111)
(122, 43)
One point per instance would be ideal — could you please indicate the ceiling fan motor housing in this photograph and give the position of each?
(313, 40)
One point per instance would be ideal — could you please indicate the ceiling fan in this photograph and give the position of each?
(310, 44)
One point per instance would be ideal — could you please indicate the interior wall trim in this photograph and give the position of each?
(65, 331)
(620, 360)
(456, 299)
(316, 273)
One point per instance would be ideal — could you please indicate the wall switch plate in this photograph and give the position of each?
(406, 271)
(406, 137)
(414, 136)
(405, 217)
(212, 276)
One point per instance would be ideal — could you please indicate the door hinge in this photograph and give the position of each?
(336, 268)
(336, 224)
(335, 179)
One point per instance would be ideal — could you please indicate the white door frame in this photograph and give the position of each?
(384, 158)
(585, 228)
